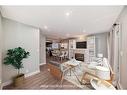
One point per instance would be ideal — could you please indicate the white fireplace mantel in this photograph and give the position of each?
(81, 51)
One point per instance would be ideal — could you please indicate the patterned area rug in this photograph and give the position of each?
(76, 76)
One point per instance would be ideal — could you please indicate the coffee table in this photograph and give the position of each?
(73, 64)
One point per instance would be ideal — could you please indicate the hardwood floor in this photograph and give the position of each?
(43, 80)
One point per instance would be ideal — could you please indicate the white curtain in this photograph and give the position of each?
(113, 51)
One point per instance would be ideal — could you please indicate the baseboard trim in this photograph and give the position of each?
(32, 73)
(119, 86)
(6, 83)
(26, 75)
(42, 64)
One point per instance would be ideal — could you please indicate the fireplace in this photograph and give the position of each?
(79, 56)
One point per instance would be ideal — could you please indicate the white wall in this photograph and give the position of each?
(42, 49)
(123, 57)
(101, 44)
(0, 47)
(27, 37)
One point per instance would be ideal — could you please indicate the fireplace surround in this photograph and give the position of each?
(79, 56)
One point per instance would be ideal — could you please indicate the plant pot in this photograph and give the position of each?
(19, 80)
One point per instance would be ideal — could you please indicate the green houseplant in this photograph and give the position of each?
(14, 57)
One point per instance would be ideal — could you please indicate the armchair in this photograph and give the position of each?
(103, 72)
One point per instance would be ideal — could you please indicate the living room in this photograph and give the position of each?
(75, 48)
(78, 46)
(81, 48)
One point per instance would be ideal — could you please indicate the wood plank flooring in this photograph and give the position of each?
(43, 80)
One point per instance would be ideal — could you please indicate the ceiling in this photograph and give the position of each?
(60, 22)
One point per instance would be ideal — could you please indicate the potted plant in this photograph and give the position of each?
(14, 57)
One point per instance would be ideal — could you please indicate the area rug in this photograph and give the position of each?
(76, 76)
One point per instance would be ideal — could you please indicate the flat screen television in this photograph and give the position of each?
(82, 45)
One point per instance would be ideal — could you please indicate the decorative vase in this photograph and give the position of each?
(19, 80)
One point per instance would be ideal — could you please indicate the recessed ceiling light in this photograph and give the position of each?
(45, 27)
(68, 13)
